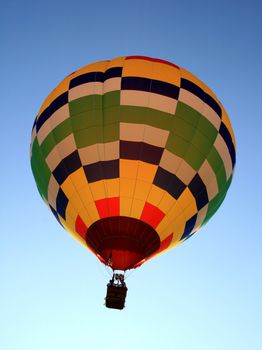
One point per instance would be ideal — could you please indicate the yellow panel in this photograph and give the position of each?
(68, 188)
(128, 168)
(92, 212)
(75, 201)
(98, 189)
(146, 171)
(137, 208)
(116, 62)
(86, 196)
(78, 178)
(187, 203)
(125, 205)
(155, 195)
(93, 67)
(176, 228)
(166, 203)
(127, 187)
(112, 187)
(151, 70)
(173, 213)
(189, 76)
(227, 122)
(166, 73)
(142, 189)
(71, 215)
(83, 213)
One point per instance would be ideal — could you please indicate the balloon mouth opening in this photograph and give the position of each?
(122, 242)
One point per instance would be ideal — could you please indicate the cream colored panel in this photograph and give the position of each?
(43, 132)
(61, 151)
(112, 84)
(132, 132)
(92, 88)
(59, 116)
(155, 136)
(170, 161)
(134, 98)
(185, 172)
(222, 149)
(162, 103)
(53, 188)
(191, 100)
(209, 178)
(211, 116)
(200, 217)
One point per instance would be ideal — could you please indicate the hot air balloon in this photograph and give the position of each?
(132, 156)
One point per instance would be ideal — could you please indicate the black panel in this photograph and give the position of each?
(135, 83)
(189, 227)
(166, 89)
(213, 104)
(129, 150)
(228, 140)
(193, 88)
(95, 76)
(61, 203)
(151, 154)
(102, 170)
(53, 107)
(140, 151)
(150, 85)
(67, 166)
(198, 189)
(169, 182)
(113, 73)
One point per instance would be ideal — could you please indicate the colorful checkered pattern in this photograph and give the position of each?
(135, 137)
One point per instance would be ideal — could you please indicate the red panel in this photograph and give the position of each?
(80, 227)
(151, 59)
(121, 242)
(152, 215)
(165, 243)
(108, 207)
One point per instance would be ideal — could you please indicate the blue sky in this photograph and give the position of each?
(205, 294)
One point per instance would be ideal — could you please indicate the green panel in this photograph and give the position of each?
(55, 136)
(217, 201)
(111, 99)
(85, 103)
(207, 129)
(194, 158)
(144, 115)
(87, 119)
(40, 169)
(217, 165)
(111, 132)
(201, 143)
(112, 114)
(213, 206)
(183, 129)
(191, 116)
(188, 114)
(97, 134)
(177, 145)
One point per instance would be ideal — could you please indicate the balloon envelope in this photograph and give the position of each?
(132, 156)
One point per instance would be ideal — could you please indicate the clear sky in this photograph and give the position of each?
(205, 294)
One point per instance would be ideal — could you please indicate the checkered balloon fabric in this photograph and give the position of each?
(134, 141)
